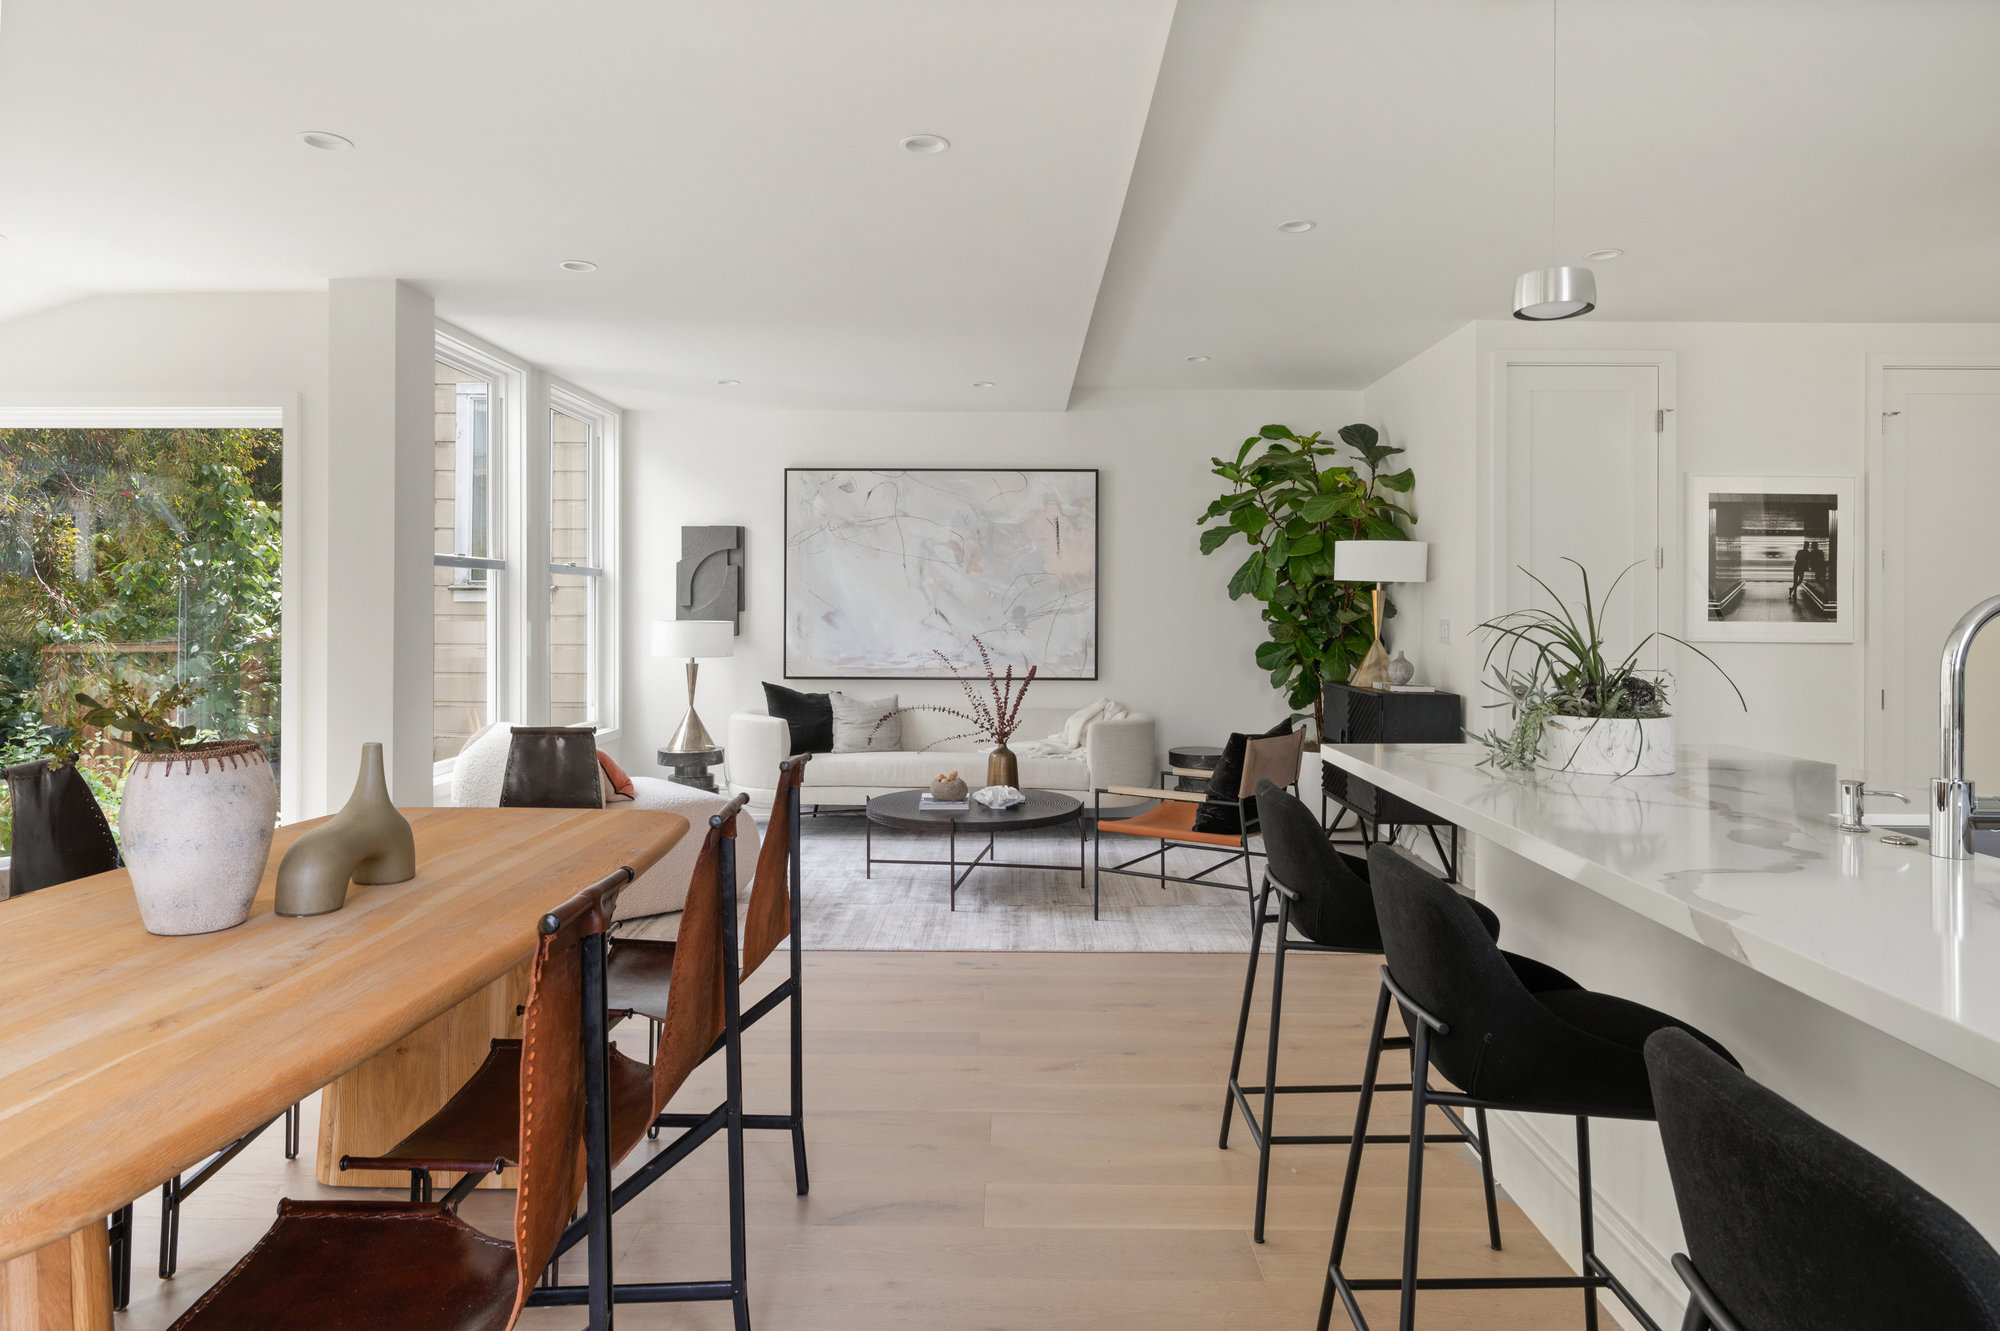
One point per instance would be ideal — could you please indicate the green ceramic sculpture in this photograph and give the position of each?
(366, 842)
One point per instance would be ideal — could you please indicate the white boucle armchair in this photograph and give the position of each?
(1115, 753)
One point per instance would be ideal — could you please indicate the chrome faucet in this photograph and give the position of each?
(1953, 805)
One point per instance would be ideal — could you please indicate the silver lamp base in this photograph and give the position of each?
(692, 736)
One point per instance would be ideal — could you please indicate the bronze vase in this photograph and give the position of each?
(1002, 768)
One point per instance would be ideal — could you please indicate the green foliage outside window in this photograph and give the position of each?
(137, 559)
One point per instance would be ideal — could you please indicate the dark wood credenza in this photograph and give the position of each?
(1372, 716)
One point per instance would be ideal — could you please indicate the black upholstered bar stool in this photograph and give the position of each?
(1511, 1034)
(1792, 1227)
(1322, 895)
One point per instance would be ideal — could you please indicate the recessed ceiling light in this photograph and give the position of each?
(982, 383)
(578, 266)
(1602, 255)
(926, 143)
(325, 140)
(1297, 225)
(729, 383)
(1198, 360)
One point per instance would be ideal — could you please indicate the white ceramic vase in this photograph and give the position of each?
(196, 828)
(1608, 746)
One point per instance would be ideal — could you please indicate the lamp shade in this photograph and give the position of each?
(694, 638)
(1555, 293)
(1381, 561)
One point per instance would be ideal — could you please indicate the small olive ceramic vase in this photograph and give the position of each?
(1002, 768)
(366, 842)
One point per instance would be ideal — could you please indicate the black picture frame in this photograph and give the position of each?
(1096, 555)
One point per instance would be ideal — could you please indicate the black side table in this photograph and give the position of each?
(1198, 757)
(691, 767)
(1374, 716)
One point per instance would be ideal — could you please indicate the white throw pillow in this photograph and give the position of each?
(854, 724)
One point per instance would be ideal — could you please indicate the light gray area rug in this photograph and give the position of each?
(905, 907)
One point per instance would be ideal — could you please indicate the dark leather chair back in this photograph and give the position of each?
(769, 919)
(552, 767)
(60, 833)
(551, 1177)
(1334, 906)
(1792, 1227)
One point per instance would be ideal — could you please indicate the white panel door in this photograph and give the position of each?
(1581, 467)
(1941, 464)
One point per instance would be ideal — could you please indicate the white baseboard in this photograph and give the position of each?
(1543, 1183)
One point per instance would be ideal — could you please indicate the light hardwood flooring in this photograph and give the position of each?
(1020, 1140)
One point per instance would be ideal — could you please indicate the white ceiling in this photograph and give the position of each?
(734, 169)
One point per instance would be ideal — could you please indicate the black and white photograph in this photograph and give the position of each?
(1767, 560)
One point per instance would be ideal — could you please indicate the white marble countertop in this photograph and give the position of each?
(1738, 851)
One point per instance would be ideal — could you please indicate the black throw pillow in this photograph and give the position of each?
(810, 715)
(1221, 813)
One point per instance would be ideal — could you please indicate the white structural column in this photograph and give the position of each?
(381, 344)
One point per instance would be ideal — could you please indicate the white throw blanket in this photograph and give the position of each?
(1076, 730)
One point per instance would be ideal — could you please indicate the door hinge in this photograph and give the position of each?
(1885, 700)
(1659, 556)
(1660, 421)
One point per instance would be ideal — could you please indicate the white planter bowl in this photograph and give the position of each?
(1608, 746)
(196, 831)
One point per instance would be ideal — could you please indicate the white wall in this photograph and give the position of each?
(221, 349)
(1170, 643)
(1752, 399)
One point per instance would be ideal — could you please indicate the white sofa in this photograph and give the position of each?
(1115, 753)
(481, 767)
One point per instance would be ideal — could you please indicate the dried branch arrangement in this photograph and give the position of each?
(993, 712)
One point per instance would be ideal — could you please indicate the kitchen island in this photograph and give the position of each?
(1857, 978)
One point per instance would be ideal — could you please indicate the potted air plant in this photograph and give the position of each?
(992, 713)
(197, 817)
(1573, 709)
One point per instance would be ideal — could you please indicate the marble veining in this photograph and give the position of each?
(1738, 851)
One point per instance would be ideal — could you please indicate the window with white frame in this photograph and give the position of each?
(581, 622)
(467, 567)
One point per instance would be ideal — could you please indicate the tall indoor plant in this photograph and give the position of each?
(1573, 708)
(1291, 499)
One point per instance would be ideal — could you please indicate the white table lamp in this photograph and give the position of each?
(1379, 562)
(693, 640)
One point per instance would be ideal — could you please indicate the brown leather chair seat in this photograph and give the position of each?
(362, 1266)
(638, 976)
(479, 1129)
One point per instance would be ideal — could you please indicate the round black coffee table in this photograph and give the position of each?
(1045, 808)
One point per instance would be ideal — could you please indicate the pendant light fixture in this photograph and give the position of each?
(1554, 293)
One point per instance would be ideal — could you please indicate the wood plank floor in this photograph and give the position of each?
(1002, 1141)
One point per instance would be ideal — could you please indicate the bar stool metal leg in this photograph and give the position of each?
(1243, 1017)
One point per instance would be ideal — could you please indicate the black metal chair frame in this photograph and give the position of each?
(1244, 854)
(1372, 832)
(118, 1229)
(1704, 1311)
(1423, 1025)
(176, 1190)
(1237, 1097)
(601, 1199)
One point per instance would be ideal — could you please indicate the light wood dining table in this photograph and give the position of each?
(126, 1058)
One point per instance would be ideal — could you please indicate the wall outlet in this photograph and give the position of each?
(1444, 630)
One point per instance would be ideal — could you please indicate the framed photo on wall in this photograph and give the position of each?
(1771, 558)
(886, 569)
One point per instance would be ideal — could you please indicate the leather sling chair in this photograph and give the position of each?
(552, 767)
(479, 1130)
(1792, 1226)
(1509, 1033)
(342, 1266)
(1171, 821)
(1323, 896)
(642, 968)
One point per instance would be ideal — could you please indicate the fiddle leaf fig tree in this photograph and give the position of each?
(1292, 497)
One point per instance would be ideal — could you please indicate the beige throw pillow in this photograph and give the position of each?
(854, 728)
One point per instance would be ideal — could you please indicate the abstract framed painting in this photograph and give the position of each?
(1771, 558)
(888, 570)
